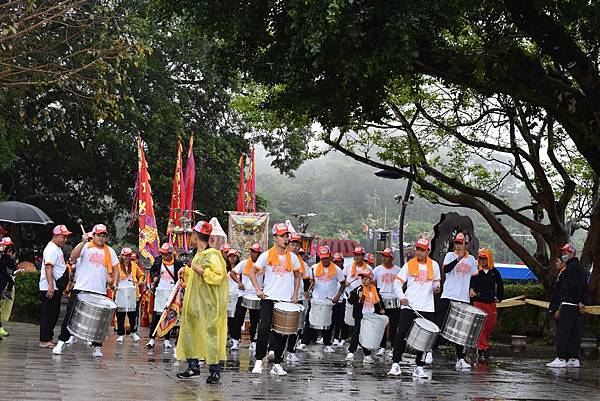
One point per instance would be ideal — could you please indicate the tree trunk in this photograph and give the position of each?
(590, 257)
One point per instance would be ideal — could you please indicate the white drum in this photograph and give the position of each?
(161, 297)
(125, 299)
(286, 317)
(233, 298)
(320, 313)
(372, 327)
(348, 317)
(251, 302)
(422, 335)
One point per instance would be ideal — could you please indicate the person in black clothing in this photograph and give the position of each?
(7, 268)
(569, 297)
(489, 290)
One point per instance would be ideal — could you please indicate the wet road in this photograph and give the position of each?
(131, 372)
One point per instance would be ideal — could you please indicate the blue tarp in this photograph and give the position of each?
(514, 272)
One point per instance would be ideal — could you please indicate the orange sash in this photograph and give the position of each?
(370, 294)
(320, 270)
(353, 271)
(413, 268)
(273, 259)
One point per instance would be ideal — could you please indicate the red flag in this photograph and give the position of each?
(177, 197)
(241, 199)
(190, 177)
(250, 186)
(148, 233)
(171, 313)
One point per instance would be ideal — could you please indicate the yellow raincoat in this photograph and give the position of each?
(203, 327)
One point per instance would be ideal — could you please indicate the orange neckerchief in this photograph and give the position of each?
(107, 258)
(413, 268)
(320, 270)
(273, 259)
(302, 265)
(135, 272)
(164, 262)
(490, 259)
(353, 271)
(370, 294)
(248, 266)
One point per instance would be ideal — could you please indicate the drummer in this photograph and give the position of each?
(281, 283)
(164, 276)
(459, 268)
(421, 275)
(98, 265)
(385, 277)
(329, 285)
(339, 330)
(358, 265)
(370, 259)
(130, 275)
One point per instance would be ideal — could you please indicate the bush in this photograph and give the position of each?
(522, 320)
(26, 307)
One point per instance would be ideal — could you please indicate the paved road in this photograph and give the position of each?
(131, 372)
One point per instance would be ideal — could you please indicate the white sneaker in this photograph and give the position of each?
(391, 353)
(462, 364)
(57, 350)
(380, 352)
(97, 352)
(167, 344)
(278, 370)
(150, 344)
(395, 370)
(420, 373)
(88, 343)
(300, 347)
(335, 343)
(134, 337)
(175, 354)
(292, 358)
(320, 340)
(271, 356)
(573, 363)
(257, 367)
(72, 340)
(429, 358)
(235, 344)
(368, 359)
(557, 363)
(328, 349)
(252, 347)
(342, 343)
(350, 356)
(120, 339)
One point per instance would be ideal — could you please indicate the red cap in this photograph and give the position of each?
(568, 248)
(482, 254)
(366, 273)
(338, 257)
(61, 230)
(225, 247)
(423, 243)
(324, 252)
(99, 229)
(203, 227)
(166, 248)
(280, 229)
(295, 237)
(359, 250)
(6, 241)
(387, 252)
(370, 258)
(126, 252)
(461, 238)
(256, 247)
(233, 252)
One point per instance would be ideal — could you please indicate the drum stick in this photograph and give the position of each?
(80, 222)
(416, 313)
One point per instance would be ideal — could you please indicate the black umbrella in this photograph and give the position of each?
(22, 213)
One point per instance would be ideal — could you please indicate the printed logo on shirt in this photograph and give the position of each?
(96, 259)
(279, 270)
(422, 277)
(325, 277)
(463, 268)
(386, 278)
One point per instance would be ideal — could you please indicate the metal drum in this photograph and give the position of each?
(320, 313)
(372, 328)
(91, 317)
(251, 302)
(126, 299)
(286, 317)
(231, 304)
(463, 324)
(303, 314)
(391, 303)
(422, 335)
(348, 315)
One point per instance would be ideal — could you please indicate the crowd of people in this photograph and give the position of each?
(217, 286)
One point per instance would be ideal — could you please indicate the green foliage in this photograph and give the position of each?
(525, 319)
(26, 307)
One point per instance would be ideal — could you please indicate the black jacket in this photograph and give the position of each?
(155, 269)
(487, 286)
(355, 299)
(570, 286)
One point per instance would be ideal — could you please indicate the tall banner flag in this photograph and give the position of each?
(148, 233)
(251, 186)
(241, 199)
(190, 177)
(177, 198)
(170, 315)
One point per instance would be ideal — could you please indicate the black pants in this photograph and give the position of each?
(49, 315)
(406, 318)
(6, 282)
(440, 317)
(264, 333)
(132, 321)
(65, 334)
(155, 319)
(392, 327)
(310, 334)
(354, 340)
(568, 332)
(238, 321)
(339, 330)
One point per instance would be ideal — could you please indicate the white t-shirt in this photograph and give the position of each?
(54, 256)
(326, 286)
(419, 290)
(248, 287)
(91, 274)
(456, 286)
(166, 280)
(279, 283)
(385, 278)
(354, 281)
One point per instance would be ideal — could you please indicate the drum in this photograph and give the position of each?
(126, 299)
(303, 314)
(286, 317)
(231, 305)
(251, 302)
(320, 313)
(161, 298)
(422, 335)
(91, 317)
(463, 324)
(372, 327)
(348, 317)
(391, 303)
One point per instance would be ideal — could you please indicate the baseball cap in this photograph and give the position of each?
(166, 248)
(126, 252)
(423, 243)
(99, 229)
(461, 238)
(6, 241)
(366, 273)
(387, 252)
(324, 252)
(280, 229)
(568, 248)
(61, 230)
(203, 227)
(359, 250)
(256, 247)
(295, 237)
(337, 257)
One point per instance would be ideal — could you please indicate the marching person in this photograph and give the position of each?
(281, 270)
(358, 265)
(164, 273)
(203, 330)
(8, 266)
(489, 290)
(365, 300)
(128, 294)
(339, 330)
(329, 285)
(459, 267)
(567, 304)
(385, 277)
(97, 265)
(54, 278)
(231, 261)
(370, 259)
(421, 275)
